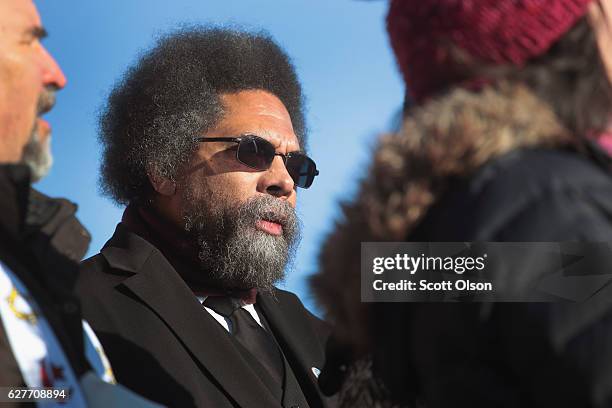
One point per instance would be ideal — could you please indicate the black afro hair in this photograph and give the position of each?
(172, 94)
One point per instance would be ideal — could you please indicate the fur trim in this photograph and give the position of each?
(452, 135)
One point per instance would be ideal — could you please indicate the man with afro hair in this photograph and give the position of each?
(204, 141)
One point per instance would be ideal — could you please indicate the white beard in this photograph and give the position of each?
(37, 156)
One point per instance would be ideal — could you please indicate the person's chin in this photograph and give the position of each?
(37, 156)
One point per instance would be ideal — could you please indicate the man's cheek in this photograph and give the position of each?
(292, 200)
(241, 186)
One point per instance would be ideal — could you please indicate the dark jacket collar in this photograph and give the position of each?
(15, 190)
(126, 250)
(31, 220)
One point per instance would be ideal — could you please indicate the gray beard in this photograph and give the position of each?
(37, 156)
(232, 252)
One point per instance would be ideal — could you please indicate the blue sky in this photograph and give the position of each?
(339, 48)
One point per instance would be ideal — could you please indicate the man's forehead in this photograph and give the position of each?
(258, 112)
(18, 15)
(276, 138)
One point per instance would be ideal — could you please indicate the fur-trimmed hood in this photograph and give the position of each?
(450, 136)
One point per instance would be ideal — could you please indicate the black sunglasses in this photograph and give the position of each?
(257, 153)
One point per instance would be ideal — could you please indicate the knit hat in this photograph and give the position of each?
(493, 32)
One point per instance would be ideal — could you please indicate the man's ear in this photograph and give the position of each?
(161, 184)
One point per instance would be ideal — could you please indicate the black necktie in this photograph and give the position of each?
(249, 333)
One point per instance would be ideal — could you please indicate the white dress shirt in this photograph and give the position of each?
(225, 322)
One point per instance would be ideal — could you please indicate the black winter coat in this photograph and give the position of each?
(509, 355)
(41, 242)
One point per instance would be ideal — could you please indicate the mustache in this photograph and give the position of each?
(46, 101)
(269, 209)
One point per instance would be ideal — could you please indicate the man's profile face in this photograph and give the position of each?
(28, 77)
(243, 219)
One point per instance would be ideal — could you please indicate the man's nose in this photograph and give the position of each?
(52, 73)
(276, 181)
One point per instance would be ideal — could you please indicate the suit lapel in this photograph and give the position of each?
(159, 286)
(297, 340)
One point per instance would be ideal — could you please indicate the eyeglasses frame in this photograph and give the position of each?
(238, 139)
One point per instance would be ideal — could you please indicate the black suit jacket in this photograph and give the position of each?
(165, 346)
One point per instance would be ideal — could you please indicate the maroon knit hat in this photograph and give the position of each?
(491, 31)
